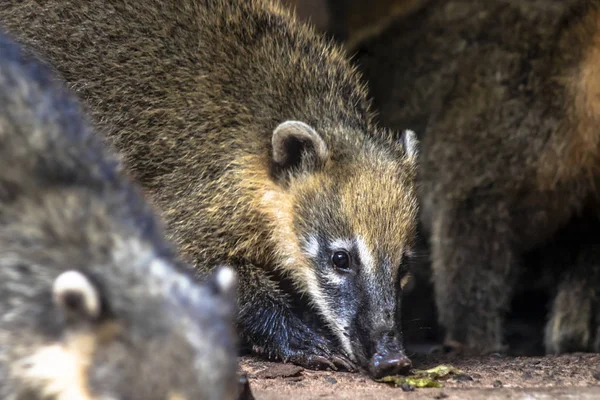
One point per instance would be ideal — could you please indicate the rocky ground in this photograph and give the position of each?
(575, 376)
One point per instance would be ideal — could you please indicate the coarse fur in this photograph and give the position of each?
(254, 137)
(506, 95)
(93, 302)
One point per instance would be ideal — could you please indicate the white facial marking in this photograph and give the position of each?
(312, 247)
(76, 282)
(366, 258)
(334, 278)
(341, 244)
(332, 321)
(59, 371)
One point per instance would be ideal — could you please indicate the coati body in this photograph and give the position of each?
(254, 137)
(506, 96)
(93, 303)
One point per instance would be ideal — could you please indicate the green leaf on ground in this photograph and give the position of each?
(422, 378)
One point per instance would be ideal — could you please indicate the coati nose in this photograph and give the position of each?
(394, 363)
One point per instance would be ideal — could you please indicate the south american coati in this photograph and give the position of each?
(94, 303)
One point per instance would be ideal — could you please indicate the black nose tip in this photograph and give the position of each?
(389, 364)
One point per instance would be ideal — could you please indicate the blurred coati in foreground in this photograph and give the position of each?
(255, 138)
(507, 95)
(93, 304)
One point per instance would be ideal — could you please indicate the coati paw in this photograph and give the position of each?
(318, 353)
(311, 361)
(320, 362)
(562, 339)
(313, 350)
(344, 363)
(572, 327)
(570, 332)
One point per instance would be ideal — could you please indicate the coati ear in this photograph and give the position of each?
(76, 296)
(223, 281)
(294, 143)
(410, 143)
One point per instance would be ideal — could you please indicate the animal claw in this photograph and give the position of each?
(344, 363)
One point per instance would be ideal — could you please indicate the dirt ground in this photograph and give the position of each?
(575, 376)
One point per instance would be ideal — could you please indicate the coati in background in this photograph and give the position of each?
(93, 303)
(506, 96)
(352, 21)
(255, 138)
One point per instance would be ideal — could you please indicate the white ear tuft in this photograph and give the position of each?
(226, 279)
(410, 143)
(75, 294)
(293, 139)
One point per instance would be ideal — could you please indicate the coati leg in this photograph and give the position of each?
(473, 268)
(575, 314)
(267, 320)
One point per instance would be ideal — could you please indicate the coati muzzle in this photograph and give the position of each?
(389, 358)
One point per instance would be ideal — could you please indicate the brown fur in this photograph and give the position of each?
(191, 92)
(505, 95)
(576, 147)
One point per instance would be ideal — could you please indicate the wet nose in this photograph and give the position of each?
(393, 363)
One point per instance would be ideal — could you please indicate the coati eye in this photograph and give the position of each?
(340, 260)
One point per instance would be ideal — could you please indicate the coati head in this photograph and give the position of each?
(95, 305)
(352, 207)
(179, 349)
(123, 326)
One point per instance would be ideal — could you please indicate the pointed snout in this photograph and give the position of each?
(389, 363)
(388, 357)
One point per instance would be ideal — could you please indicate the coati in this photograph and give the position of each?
(254, 137)
(505, 94)
(93, 302)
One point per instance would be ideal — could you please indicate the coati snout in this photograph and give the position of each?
(389, 358)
